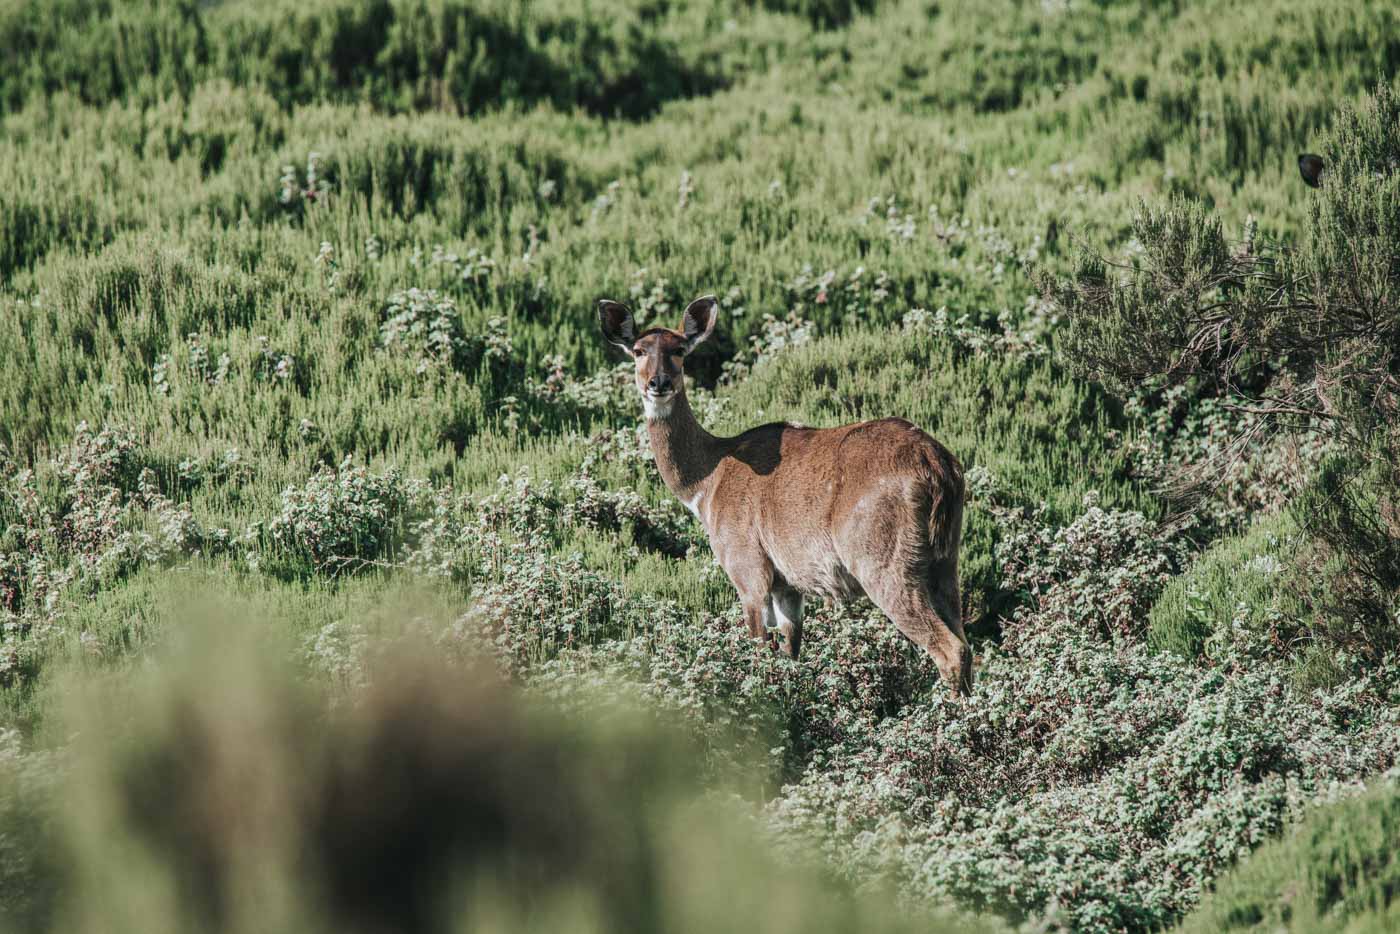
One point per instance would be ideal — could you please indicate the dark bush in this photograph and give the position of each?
(1306, 335)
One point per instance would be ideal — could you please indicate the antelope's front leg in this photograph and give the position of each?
(752, 575)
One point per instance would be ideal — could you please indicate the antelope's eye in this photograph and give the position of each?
(637, 352)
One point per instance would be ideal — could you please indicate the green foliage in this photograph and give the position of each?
(406, 54)
(296, 313)
(824, 14)
(1304, 331)
(1335, 871)
(99, 49)
(1239, 584)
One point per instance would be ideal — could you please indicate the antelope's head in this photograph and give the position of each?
(659, 353)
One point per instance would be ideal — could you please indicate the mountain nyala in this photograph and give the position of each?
(871, 509)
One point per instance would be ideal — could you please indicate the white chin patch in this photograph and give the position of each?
(657, 408)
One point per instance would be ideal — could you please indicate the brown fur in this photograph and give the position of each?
(870, 509)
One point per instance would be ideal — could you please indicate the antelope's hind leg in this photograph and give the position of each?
(911, 608)
(945, 595)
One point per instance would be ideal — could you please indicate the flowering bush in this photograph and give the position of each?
(345, 518)
(1026, 339)
(426, 324)
(777, 336)
(90, 516)
(853, 295)
(305, 188)
(1089, 781)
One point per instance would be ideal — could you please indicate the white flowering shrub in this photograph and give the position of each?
(299, 189)
(836, 297)
(91, 515)
(608, 391)
(426, 325)
(345, 518)
(777, 335)
(477, 537)
(474, 267)
(1024, 338)
(1224, 459)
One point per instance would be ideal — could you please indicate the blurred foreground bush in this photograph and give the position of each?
(222, 794)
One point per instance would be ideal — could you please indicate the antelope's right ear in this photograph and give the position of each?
(616, 321)
(699, 320)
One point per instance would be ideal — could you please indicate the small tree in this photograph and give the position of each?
(1306, 335)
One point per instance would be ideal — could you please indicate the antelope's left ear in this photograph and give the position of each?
(615, 321)
(699, 320)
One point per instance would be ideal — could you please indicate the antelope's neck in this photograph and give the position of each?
(686, 454)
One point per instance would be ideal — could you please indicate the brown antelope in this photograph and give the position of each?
(870, 509)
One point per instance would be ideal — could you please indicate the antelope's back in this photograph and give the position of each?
(824, 503)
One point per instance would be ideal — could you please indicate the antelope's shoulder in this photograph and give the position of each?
(764, 447)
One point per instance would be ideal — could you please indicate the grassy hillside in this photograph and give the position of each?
(298, 314)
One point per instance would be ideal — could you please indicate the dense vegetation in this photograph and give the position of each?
(298, 333)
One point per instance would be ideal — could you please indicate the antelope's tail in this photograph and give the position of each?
(946, 512)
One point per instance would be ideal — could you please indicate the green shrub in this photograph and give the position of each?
(1239, 583)
(1335, 871)
(101, 50)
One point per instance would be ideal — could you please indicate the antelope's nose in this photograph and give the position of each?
(659, 384)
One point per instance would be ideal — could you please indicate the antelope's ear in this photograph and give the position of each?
(699, 320)
(615, 319)
(1313, 167)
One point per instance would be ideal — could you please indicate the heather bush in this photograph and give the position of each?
(1335, 870)
(1234, 593)
(399, 55)
(1090, 782)
(470, 537)
(343, 519)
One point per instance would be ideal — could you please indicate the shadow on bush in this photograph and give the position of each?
(445, 55)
